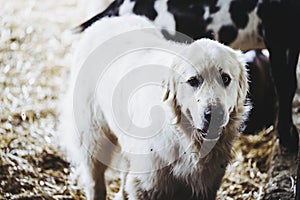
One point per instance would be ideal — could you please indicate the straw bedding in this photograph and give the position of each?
(35, 57)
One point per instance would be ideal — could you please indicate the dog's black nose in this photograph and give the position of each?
(215, 113)
(207, 113)
(213, 120)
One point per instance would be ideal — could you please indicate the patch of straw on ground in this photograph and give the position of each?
(247, 174)
(34, 60)
(35, 56)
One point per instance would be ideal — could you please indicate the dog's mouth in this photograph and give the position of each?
(210, 133)
(202, 132)
(209, 130)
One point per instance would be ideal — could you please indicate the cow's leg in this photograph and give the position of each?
(283, 63)
(298, 178)
(298, 171)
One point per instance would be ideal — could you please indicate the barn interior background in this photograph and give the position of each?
(36, 48)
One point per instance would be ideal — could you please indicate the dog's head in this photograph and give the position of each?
(210, 83)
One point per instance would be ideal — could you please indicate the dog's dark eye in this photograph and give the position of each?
(226, 79)
(195, 81)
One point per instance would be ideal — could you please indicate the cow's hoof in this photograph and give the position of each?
(289, 140)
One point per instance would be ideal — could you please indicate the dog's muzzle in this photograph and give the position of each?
(213, 119)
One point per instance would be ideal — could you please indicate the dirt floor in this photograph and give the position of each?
(36, 49)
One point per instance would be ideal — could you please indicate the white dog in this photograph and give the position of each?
(162, 118)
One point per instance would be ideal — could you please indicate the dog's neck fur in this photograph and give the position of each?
(191, 167)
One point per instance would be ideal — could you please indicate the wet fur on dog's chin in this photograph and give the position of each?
(186, 173)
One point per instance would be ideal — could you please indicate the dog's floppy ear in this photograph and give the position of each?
(243, 78)
(169, 97)
(243, 106)
(169, 89)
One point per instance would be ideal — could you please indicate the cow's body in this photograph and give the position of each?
(242, 24)
(197, 19)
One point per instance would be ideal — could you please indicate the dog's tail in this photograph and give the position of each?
(111, 10)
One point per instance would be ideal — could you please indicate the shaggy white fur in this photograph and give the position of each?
(146, 121)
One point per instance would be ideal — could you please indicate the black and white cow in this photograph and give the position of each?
(242, 24)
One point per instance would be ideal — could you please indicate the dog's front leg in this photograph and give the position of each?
(97, 190)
